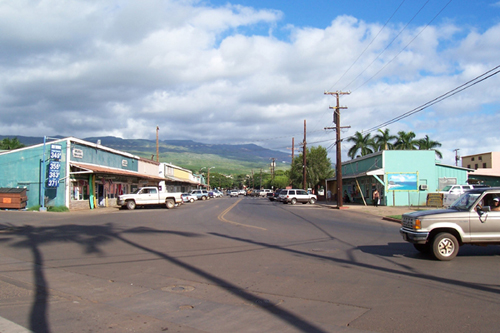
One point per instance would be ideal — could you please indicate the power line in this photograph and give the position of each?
(392, 41)
(401, 51)
(466, 85)
(366, 48)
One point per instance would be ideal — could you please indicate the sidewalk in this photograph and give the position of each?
(383, 211)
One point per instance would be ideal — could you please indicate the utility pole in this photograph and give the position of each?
(336, 120)
(273, 164)
(157, 146)
(456, 156)
(304, 170)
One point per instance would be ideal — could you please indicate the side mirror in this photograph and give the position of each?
(483, 209)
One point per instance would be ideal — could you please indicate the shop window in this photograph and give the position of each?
(476, 166)
(484, 165)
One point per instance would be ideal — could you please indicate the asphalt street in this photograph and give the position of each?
(236, 265)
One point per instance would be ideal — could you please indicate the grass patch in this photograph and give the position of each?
(397, 217)
(57, 209)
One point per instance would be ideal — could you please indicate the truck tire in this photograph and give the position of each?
(312, 201)
(170, 203)
(191, 200)
(203, 198)
(445, 246)
(131, 204)
(293, 201)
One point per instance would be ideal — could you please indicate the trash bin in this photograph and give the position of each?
(14, 198)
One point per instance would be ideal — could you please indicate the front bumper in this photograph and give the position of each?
(415, 237)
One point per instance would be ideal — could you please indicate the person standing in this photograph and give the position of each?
(376, 198)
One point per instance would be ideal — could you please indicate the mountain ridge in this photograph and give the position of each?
(189, 154)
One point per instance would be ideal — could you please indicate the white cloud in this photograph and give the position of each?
(88, 68)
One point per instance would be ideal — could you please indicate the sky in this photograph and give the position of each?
(242, 71)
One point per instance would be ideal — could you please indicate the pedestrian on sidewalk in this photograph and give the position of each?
(376, 198)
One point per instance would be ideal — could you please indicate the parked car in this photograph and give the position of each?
(217, 194)
(296, 195)
(473, 219)
(264, 192)
(274, 196)
(200, 194)
(233, 193)
(188, 197)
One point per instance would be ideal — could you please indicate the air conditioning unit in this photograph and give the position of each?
(423, 187)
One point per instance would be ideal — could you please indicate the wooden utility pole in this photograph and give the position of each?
(273, 165)
(304, 171)
(157, 145)
(336, 120)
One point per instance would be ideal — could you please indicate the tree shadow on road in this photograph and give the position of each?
(91, 238)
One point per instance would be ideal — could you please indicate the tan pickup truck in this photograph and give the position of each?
(472, 219)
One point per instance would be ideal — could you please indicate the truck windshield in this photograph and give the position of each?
(465, 201)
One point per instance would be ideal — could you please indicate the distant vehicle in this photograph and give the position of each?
(200, 194)
(242, 192)
(452, 192)
(188, 197)
(233, 193)
(293, 196)
(217, 194)
(264, 192)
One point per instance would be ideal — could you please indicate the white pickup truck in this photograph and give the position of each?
(150, 196)
(453, 192)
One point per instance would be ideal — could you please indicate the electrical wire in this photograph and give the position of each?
(366, 48)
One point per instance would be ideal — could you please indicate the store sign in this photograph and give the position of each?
(54, 166)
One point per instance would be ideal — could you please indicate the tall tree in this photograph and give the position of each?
(406, 141)
(362, 143)
(428, 144)
(9, 144)
(383, 140)
(319, 168)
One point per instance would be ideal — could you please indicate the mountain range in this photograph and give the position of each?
(223, 158)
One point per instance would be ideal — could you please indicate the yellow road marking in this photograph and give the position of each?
(221, 217)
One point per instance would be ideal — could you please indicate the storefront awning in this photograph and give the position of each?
(99, 169)
(377, 172)
(181, 180)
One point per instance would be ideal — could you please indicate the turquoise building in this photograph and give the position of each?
(402, 177)
(74, 173)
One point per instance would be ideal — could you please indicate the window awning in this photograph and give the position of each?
(99, 169)
(376, 172)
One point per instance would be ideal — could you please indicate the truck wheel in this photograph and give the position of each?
(445, 246)
(203, 198)
(423, 248)
(170, 203)
(131, 204)
(312, 201)
(191, 200)
(293, 201)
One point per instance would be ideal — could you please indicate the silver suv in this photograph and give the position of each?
(473, 219)
(296, 195)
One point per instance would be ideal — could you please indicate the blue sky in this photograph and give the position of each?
(249, 71)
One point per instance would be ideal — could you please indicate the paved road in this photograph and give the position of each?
(235, 265)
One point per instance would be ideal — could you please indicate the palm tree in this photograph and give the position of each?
(384, 139)
(362, 143)
(406, 141)
(427, 144)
